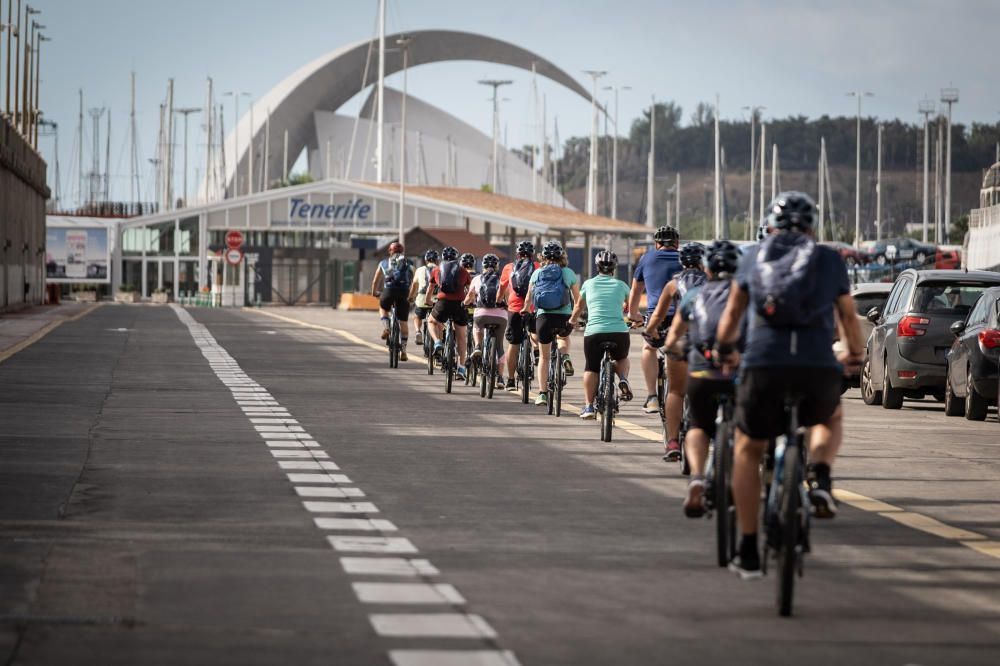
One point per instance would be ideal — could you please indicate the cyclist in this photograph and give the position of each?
(514, 285)
(655, 270)
(485, 293)
(391, 284)
(553, 290)
(468, 262)
(692, 275)
(791, 286)
(451, 282)
(697, 317)
(418, 293)
(604, 297)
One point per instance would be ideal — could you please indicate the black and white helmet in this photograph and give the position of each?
(491, 261)
(431, 256)
(791, 210)
(525, 249)
(667, 236)
(468, 261)
(691, 255)
(607, 262)
(552, 251)
(449, 253)
(723, 258)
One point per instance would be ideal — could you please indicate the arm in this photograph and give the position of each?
(376, 279)
(429, 294)
(528, 299)
(633, 300)
(470, 296)
(660, 313)
(579, 306)
(413, 289)
(677, 329)
(729, 323)
(850, 329)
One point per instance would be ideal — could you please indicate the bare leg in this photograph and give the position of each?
(460, 335)
(622, 367)
(677, 384)
(590, 380)
(650, 368)
(543, 367)
(824, 439)
(696, 445)
(513, 351)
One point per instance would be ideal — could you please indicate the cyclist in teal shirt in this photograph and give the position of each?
(604, 297)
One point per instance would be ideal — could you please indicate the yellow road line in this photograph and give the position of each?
(42, 332)
(913, 520)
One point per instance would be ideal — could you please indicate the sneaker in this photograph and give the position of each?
(567, 366)
(588, 413)
(403, 356)
(419, 339)
(512, 385)
(694, 503)
(747, 568)
(438, 352)
(460, 372)
(385, 334)
(673, 453)
(542, 400)
(477, 354)
(821, 497)
(625, 388)
(500, 383)
(652, 405)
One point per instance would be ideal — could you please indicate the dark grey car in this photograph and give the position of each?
(906, 355)
(972, 362)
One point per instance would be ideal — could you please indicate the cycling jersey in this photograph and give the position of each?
(463, 281)
(514, 302)
(477, 283)
(655, 270)
(422, 276)
(606, 296)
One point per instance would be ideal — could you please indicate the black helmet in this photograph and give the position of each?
(490, 261)
(723, 257)
(607, 262)
(525, 249)
(431, 256)
(791, 210)
(667, 236)
(692, 254)
(468, 260)
(552, 251)
(449, 254)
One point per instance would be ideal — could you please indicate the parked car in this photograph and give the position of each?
(906, 354)
(866, 296)
(948, 258)
(851, 255)
(972, 382)
(907, 251)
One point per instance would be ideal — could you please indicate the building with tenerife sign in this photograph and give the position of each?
(309, 243)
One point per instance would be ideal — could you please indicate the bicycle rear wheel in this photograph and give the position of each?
(682, 435)
(394, 341)
(524, 366)
(725, 514)
(489, 365)
(608, 399)
(553, 378)
(449, 361)
(559, 384)
(789, 516)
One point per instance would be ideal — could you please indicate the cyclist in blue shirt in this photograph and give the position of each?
(790, 286)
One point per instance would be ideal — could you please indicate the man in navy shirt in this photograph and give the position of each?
(790, 333)
(656, 268)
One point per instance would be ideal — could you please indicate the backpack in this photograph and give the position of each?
(489, 288)
(398, 273)
(550, 290)
(448, 277)
(520, 275)
(688, 278)
(706, 311)
(783, 280)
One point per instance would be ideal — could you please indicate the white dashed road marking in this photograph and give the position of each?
(453, 658)
(430, 625)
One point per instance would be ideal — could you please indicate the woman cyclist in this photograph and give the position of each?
(486, 295)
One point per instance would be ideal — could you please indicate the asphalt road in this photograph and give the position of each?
(231, 487)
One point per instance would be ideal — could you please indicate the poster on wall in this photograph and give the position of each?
(76, 254)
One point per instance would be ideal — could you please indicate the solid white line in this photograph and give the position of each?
(426, 625)
(407, 593)
(387, 566)
(318, 478)
(363, 524)
(341, 507)
(371, 544)
(453, 658)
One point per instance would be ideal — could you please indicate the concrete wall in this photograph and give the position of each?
(23, 193)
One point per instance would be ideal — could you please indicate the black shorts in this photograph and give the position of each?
(398, 297)
(592, 348)
(548, 326)
(703, 399)
(453, 310)
(760, 398)
(516, 324)
(664, 327)
(421, 312)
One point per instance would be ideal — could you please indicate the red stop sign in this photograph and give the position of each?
(234, 239)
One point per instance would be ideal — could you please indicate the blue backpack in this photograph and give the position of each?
(550, 290)
(398, 273)
(783, 280)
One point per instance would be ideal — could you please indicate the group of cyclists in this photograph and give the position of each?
(752, 325)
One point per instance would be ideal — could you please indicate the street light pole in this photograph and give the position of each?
(236, 94)
(495, 172)
(926, 108)
(614, 154)
(857, 173)
(38, 72)
(949, 96)
(186, 112)
(878, 188)
(404, 44)
(592, 171)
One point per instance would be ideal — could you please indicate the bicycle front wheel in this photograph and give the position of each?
(725, 523)
(489, 366)
(608, 398)
(790, 508)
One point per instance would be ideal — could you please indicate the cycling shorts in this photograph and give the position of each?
(450, 310)
(703, 398)
(515, 331)
(548, 326)
(421, 312)
(482, 321)
(657, 343)
(398, 297)
(592, 348)
(760, 398)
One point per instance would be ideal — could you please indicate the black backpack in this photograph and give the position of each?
(706, 311)
(783, 280)
(448, 274)
(520, 276)
(489, 288)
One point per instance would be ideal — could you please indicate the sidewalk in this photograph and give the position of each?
(25, 327)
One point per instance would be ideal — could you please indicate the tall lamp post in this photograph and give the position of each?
(926, 108)
(614, 153)
(857, 174)
(186, 112)
(949, 96)
(495, 84)
(592, 171)
(404, 45)
(236, 94)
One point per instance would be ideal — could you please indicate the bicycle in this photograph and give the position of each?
(525, 365)
(606, 400)
(471, 365)
(788, 509)
(556, 379)
(719, 498)
(682, 431)
(393, 341)
(489, 361)
(449, 361)
(428, 347)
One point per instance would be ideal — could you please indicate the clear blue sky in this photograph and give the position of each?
(793, 57)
